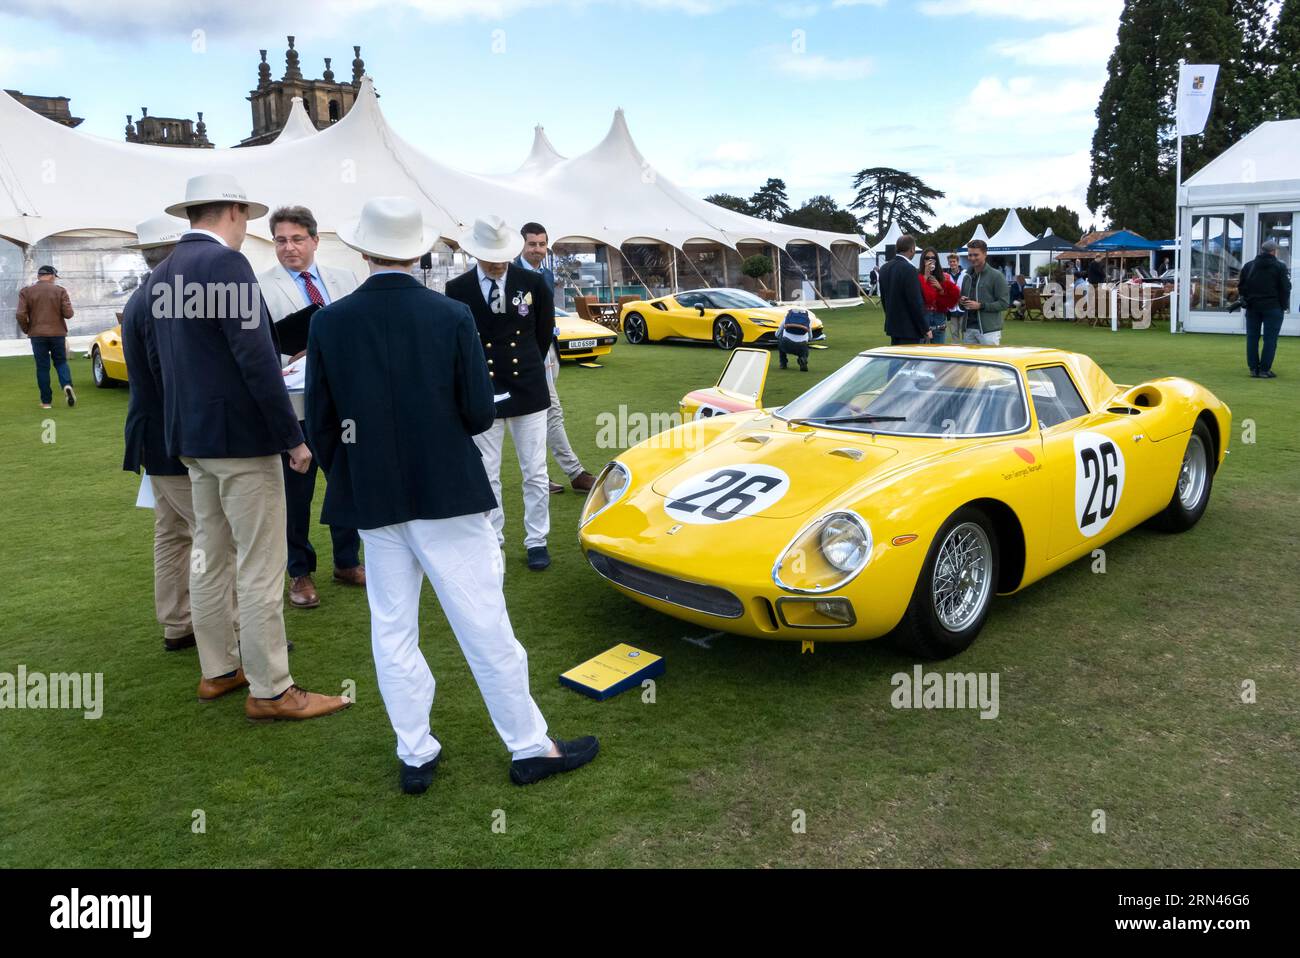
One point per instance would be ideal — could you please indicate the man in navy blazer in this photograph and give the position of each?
(397, 387)
(173, 528)
(226, 414)
(900, 295)
(514, 310)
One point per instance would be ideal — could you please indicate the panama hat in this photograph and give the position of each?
(390, 227)
(158, 231)
(216, 188)
(491, 240)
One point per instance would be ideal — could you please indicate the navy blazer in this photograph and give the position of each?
(515, 342)
(219, 375)
(900, 294)
(143, 431)
(545, 271)
(396, 386)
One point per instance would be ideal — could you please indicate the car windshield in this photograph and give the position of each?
(735, 299)
(905, 395)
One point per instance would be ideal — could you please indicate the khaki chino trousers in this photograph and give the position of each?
(239, 541)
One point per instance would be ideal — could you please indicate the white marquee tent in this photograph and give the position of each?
(1247, 194)
(63, 191)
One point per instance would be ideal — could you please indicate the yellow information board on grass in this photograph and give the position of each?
(614, 670)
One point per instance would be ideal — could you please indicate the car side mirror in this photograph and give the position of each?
(701, 309)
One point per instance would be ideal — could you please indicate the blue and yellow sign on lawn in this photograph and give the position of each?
(615, 670)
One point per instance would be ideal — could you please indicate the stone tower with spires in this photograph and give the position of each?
(326, 100)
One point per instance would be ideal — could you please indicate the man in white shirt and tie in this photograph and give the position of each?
(298, 282)
(557, 439)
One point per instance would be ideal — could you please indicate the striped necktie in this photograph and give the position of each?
(312, 292)
(495, 303)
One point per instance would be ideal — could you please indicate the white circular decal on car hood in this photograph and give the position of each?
(726, 492)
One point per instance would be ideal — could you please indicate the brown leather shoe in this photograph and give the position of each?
(583, 481)
(554, 487)
(294, 705)
(210, 689)
(354, 576)
(302, 593)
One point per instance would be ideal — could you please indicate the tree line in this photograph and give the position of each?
(1256, 44)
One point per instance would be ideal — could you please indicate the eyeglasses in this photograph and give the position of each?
(291, 240)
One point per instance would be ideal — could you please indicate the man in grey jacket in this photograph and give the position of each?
(984, 296)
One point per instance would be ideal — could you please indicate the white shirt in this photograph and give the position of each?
(203, 232)
(485, 284)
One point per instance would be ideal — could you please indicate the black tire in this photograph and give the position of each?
(635, 330)
(726, 333)
(97, 373)
(1195, 479)
(923, 631)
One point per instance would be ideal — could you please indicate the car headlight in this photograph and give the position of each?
(844, 542)
(609, 487)
(825, 555)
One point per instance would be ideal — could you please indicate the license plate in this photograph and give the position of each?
(582, 344)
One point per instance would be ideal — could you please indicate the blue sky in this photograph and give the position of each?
(991, 101)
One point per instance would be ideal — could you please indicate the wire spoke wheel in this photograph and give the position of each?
(963, 577)
(1191, 475)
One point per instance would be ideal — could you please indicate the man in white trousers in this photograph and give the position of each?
(514, 311)
(397, 387)
(536, 250)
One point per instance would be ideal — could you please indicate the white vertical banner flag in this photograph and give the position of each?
(1195, 96)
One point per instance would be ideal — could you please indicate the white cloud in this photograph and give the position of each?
(159, 17)
(796, 11)
(1086, 46)
(814, 66)
(859, 3)
(1056, 11)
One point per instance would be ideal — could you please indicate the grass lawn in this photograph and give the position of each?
(1119, 692)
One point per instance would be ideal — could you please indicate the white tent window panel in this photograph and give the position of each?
(1218, 245)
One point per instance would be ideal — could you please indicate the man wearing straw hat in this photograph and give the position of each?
(397, 388)
(514, 310)
(173, 527)
(227, 416)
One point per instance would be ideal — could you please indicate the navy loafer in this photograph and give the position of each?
(416, 779)
(538, 558)
(574, 753)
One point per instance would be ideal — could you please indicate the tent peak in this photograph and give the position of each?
(297, 125)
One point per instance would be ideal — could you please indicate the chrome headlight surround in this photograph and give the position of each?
(811, 538)
(606, 490)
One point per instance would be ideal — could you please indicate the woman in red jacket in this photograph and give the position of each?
(939, 292)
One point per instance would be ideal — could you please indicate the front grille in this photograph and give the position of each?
(689, 595)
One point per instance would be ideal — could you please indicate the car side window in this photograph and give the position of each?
(1056, 400)
(690, 300)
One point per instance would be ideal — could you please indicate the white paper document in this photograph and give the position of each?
(144, 498)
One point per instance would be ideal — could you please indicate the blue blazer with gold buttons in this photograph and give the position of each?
(515, 342)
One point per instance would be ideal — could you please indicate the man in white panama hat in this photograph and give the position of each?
(397, 388)
(514, 310)
(227, 416)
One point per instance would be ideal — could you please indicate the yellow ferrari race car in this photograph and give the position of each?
(107, 363)
(727, 317)
(899, 494)
(581, 339)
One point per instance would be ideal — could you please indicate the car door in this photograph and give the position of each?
(1098, 462)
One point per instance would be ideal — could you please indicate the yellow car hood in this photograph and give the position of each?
(820, 466)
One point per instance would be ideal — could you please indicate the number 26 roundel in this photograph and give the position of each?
(726, 493)
(1098, 481)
